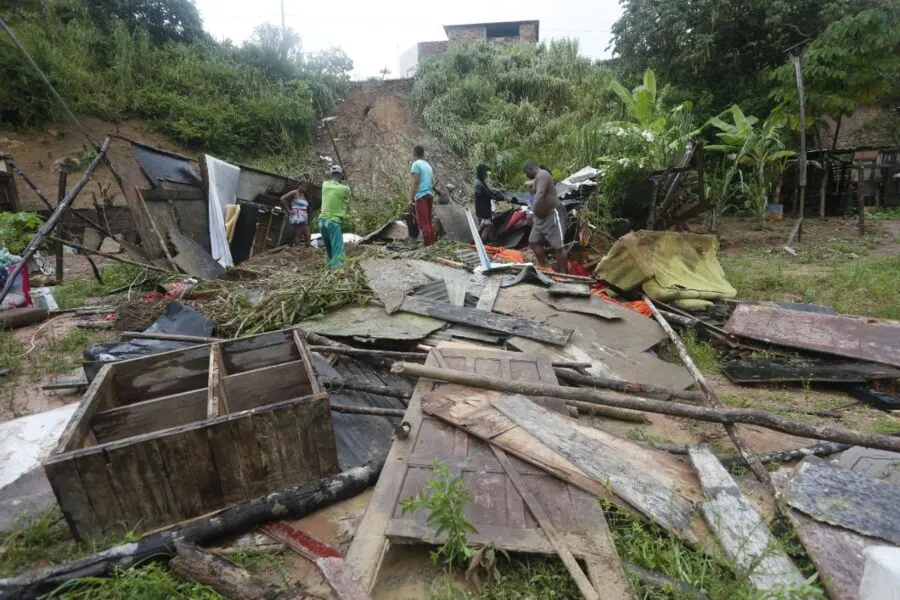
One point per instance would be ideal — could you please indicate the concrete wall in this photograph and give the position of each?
(467, 33)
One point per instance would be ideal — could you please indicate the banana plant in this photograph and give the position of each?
(756, 148)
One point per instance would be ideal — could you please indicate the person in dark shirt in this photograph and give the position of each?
(484, 200)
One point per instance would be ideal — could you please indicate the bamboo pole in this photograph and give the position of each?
(50, 223)
(369, 410)
(698, 413)
(711, 399)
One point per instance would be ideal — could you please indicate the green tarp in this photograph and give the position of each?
(681, 268)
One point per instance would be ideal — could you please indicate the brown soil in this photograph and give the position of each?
(39, 154)
(376, 129)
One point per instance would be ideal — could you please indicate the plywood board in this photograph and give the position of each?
(589, 306)
(497, 510)
(801, 370)
(863, 338)
(845, 498)
(372, 322)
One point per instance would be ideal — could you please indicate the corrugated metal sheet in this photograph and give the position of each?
(362, 438)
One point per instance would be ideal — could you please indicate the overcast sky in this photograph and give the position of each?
(374, 33)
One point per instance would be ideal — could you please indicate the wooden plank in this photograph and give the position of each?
(490, 321)
(267, 385)
(568, 559)
(266, 436)
(94, 474)
(149, 416)
(177, 469)
(247, 451)
(129, 483)
(489, 294)
(227, 464)
(845, 498)
(322, 431)
(73, 499)
(863, 338)
(153, 473)
(641, 489)
(96, 398)
(604, 567)
(739, 528)
(306, 357)
(192, 258)
(471, 410)
(369, 546)
(216, 402)
(801, 370)
(837, 554)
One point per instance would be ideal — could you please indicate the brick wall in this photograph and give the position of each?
(467, 33)
(528, 32)
(430, 49)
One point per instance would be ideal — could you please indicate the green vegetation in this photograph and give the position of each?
(17, 229)
(121, 58)
(865, 286)
(151, 582)
(42, 538)
(445, 499)
(72, 294)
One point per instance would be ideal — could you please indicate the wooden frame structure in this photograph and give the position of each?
(170, 437)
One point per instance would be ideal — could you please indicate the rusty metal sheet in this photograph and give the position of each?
(875, 340)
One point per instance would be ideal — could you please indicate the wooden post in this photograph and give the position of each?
(48, 226)
(801, 155)
(861, 199)
(57, 247)
(711, 399)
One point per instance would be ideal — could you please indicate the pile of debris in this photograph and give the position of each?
(495, 371)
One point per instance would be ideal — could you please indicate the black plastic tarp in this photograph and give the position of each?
(177, 319)
(158, 167)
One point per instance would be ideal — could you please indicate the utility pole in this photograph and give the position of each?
(801, 158)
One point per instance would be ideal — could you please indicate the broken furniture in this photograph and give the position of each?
(159, 440)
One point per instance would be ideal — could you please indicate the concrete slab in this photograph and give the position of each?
(878, 464)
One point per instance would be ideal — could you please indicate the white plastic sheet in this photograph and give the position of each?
(223, 182)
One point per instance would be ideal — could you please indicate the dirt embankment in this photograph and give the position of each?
(375, 131)
(39, 153)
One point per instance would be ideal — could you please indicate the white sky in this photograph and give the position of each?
(375, 32)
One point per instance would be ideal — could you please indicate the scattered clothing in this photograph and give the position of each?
(333, 239)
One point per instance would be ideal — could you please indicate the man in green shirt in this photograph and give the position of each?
(335, 204)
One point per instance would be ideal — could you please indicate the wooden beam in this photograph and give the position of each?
(217, 399)
(489, 294)
(94, 400)
(699, 413)
(485, 320)
(150, 415)
(712, 400)
(739, 528)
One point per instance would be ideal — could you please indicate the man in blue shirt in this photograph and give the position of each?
(421, 194)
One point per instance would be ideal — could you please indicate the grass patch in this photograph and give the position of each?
(36, 540)
(10, 351)
(886, 425)
(147, 582)
(524, 577)
(865, 286)
(72, 294)
(704, 355)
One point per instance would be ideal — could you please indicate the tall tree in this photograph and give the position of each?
(164, 20)
(719, 50)
(854, 62)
